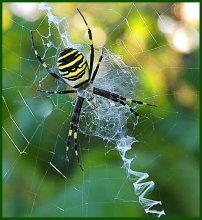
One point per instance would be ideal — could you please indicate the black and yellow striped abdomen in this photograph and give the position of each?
(73, 67)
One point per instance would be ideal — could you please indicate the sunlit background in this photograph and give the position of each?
(160, 38)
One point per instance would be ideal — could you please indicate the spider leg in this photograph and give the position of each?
(74, 129)
(57, 92)
(68, 140)
(91, 45)
(76, 145)
(130, 109)
(97, 67)
(137, 101)
(43, 63)
(120, 99)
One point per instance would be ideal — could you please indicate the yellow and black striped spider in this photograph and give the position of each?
(75, 71)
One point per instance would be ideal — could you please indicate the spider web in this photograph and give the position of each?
(35, 125)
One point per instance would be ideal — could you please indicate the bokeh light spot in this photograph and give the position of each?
(28, 11)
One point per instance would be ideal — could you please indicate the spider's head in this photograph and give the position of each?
(73, 67)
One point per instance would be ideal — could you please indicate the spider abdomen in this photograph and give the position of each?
(73, 67)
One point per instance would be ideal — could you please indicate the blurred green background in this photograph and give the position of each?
(163, 39)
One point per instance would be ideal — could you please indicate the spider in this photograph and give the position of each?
(75, 71)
